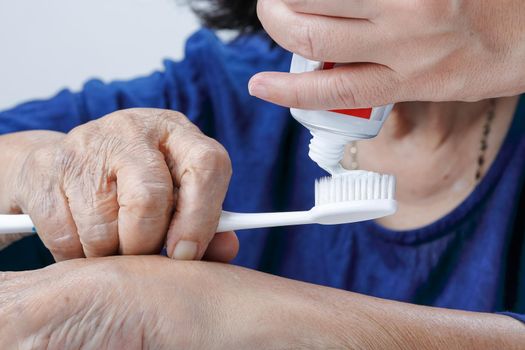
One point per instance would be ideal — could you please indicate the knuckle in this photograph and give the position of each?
(212, 156)
(124, 116)
(305, 45)
(148, 114)
(171, 115)
(172, 121)
(344, 92)
(310, 91)
(149, 201)
(86, 151)
(149, 157)
(298, 97)
(129, 125)
(82, 136)
(299, 36)
(120, 128)
(145, 197)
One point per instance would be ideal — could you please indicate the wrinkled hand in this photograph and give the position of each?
(149, 302)
(155, 303)
(431, 50)
(127, 183)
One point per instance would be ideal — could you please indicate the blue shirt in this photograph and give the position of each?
(471, 259)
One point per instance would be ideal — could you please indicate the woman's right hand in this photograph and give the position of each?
(127, 183)
(417, 50)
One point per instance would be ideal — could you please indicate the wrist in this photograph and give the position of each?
(326, 322)
(334, 319)
(293, 314)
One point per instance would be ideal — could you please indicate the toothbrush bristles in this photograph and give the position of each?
(354, 185)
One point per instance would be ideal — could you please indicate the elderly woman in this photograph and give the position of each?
(100, 179)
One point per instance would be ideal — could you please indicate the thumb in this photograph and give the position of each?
(350, 86)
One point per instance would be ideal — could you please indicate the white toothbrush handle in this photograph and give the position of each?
(326, 214)
(239, 221)
(229, 221)
(16, 224)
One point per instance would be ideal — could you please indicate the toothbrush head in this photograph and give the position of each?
(354, 185)
(354, 196)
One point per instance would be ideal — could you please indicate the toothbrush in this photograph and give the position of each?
(350, 197)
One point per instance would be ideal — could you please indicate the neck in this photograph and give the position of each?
(434, 125)
(433, 149)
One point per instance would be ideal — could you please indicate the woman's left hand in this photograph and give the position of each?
(153, 302)
(430, 50)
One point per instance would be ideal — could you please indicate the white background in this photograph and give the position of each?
(46, 45)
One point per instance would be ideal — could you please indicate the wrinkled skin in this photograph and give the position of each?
(95, 191)
(152, 302)
(147, 303)
(417, 50)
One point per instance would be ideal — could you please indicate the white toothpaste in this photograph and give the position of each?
(332, 130)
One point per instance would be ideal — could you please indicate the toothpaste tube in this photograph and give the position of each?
(332, 130)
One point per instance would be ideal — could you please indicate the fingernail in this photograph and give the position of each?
(185, 250)
(257, 89)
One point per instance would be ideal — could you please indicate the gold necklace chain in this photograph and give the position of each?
(483, 145)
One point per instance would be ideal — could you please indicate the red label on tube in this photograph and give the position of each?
(365, 113)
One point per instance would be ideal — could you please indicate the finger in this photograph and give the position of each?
(55, 225)
(145, 197)
(222, 248)
(94, 207)
(322, 38)
(202, 169)
(366, 9)
(351, 86)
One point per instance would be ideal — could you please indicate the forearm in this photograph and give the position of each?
(282, 313)
(359, 321)
(207, 305)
